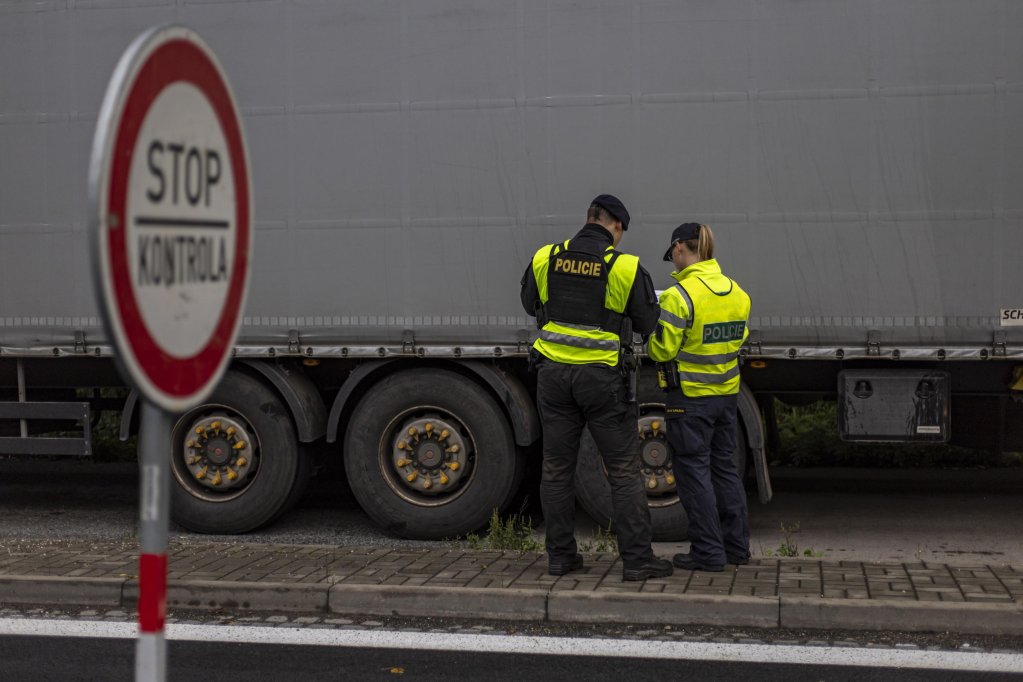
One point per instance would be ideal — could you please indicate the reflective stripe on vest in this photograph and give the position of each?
(578, 341)
(674, 320)
(584, 344)
(709, 378)
(689, 304)
(719, 359)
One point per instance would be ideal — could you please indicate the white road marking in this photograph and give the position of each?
(519, 644)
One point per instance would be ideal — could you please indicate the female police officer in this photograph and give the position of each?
(702, 326)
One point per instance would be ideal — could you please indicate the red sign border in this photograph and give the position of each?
(178, 60)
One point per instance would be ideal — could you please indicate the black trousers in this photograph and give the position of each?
(701, 435)
(570, 397)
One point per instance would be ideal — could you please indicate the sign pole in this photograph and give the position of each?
(154, 521)
(171, 244)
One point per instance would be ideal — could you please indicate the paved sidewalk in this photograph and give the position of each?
(769, 592)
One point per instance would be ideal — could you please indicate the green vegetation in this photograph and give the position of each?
(809, 438)
(513, 533)
(789, 547)
(604, 540)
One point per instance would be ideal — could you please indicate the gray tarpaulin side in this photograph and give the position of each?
(860, 161)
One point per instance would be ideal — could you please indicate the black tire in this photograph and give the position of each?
(667, 516)
(489, 475)
(270, 482)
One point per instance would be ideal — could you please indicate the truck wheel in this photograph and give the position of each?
(429, 455)
(235, 459)
(667, 515)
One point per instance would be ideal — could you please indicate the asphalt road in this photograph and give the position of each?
(947, 516)
(32, 659)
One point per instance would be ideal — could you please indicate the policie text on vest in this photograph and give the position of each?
(575, 267)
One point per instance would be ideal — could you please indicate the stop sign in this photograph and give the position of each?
(169, 184)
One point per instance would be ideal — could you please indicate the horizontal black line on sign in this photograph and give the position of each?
(143, 221)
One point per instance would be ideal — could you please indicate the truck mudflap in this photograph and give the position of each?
(753, 424)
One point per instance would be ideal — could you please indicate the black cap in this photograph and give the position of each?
(614, 206)
(682, 233)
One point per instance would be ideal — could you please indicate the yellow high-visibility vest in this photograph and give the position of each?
(577, 344)
(703, 325)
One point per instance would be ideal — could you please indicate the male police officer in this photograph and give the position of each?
(584, 294)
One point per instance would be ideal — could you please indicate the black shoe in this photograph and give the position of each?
(563, 566)
(687, 562)
(737, 560)
(651, 568)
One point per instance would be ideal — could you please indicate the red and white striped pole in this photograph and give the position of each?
(154, 521)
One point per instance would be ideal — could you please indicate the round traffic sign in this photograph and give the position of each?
(169, 182)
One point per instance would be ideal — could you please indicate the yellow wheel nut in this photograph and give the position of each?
(412, 431)
(411, 477)
(194, 460)
(216, 478)
(201, 474)
(427, 483)
(231, 474)
(242, 461)
(231, 431)
(655, 426)
(215, 426)
(403, 445)
(652, 483)
(453, 449)
(428, 427)
(453, 466)
(444, 433)
(669, 479)
(444, 478)
(240, 445)
(199, 430)
(191, 444)
(404, 462)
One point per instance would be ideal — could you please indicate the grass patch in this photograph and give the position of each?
(514, 533)
(789, 547)
(809, 438)
(604, 540)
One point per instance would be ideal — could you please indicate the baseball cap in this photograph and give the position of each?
(682, 233)
(614, 206)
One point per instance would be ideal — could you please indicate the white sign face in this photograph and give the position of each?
(169, 182)
(1012, 317)
(179, 220)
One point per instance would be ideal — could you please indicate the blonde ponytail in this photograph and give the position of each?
(702, 246)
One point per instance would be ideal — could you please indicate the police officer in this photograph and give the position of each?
(702, 326)
(587, 297)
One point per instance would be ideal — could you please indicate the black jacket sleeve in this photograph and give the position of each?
(642, 307)
(530, 293)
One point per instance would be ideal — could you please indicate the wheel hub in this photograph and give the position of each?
(218, 453)
(658, 477)
(429, 456)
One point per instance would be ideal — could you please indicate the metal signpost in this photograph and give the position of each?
(172, 245)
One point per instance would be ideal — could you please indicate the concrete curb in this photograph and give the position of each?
(36, 589)
(467, 602)
(668, 609)
(847, 614)
(220, 594)
(536, 605)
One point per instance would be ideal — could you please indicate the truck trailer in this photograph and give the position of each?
(860, 161)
